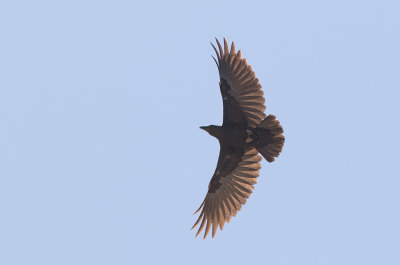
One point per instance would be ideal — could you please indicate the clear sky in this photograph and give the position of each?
(102, 160)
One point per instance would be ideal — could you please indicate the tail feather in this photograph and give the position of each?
(270, 138)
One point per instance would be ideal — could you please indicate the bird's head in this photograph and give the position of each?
(210, 129)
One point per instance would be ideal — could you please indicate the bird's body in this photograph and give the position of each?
(234, 135)
(245, 132)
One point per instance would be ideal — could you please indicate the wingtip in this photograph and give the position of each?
(220, 48)
(199, 207)
(215, 60)
(217, 40)
(226, 48)
(233, 48)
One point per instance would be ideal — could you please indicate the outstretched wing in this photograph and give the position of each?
(241, 93)
(230, 186)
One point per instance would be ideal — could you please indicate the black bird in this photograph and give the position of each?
(245, 132)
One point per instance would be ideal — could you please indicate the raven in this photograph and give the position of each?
(245, 132)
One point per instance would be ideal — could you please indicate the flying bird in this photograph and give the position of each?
(245, 132)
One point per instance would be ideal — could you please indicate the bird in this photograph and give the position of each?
(246, 131)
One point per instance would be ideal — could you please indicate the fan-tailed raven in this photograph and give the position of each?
(245, 132)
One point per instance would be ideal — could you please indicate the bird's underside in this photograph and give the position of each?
(245, 132)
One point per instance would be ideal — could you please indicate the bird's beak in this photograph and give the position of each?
(203, 128)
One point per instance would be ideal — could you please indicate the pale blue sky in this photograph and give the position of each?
(102, 160)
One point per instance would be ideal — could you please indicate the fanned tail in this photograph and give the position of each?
(270, 138)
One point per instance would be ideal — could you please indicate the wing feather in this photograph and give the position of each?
(201, 225)
(228, 204)
(208, 216)
(215, 221)
(198, 220)
(226, 48)
(232, 49)
(216, 52)
(222, 213)
(221, 52)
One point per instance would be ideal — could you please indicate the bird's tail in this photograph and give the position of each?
(269, 140)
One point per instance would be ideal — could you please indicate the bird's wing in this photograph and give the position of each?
(230, 186)
(241, 93)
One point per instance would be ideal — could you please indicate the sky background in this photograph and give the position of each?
(102, 160)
